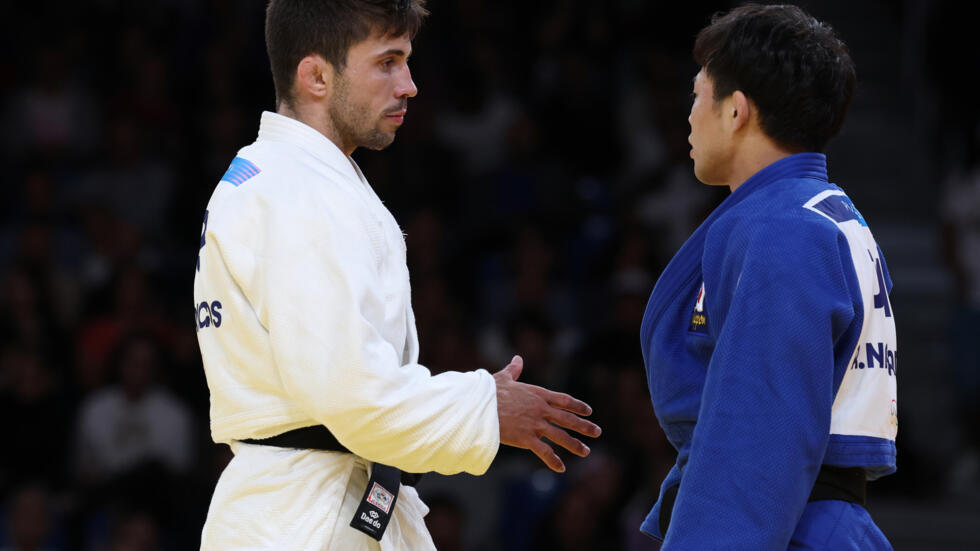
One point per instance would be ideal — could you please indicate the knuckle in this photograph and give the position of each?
(541, 427)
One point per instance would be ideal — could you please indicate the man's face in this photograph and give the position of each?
(711, 144)
(370, 96)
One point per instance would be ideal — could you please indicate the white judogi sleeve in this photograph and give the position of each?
(308, 270)
(321, 296)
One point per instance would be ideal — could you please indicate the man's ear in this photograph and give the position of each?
(741, 110)
(314, 77)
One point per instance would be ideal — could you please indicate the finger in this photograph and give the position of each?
(547, 455)
(516, 366)
(563, 401)
(575, 423)
(566, 441)
(513, 370)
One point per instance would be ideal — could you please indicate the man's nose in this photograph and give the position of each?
(406, 86)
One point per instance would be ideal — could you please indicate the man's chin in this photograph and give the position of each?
(378, 142)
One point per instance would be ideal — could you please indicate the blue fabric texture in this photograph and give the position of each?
(837, 526)
(747, 401)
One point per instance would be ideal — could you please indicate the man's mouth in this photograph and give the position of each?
(397, 116)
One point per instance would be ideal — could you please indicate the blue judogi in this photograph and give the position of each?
(770, 350)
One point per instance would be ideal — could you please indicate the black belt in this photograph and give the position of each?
(379, 498)
(841, 483)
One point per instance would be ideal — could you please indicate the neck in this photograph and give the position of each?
(317, 119)
(757, 153)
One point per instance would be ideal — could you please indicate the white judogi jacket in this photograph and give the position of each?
(304, 317)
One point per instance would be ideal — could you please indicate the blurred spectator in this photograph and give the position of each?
(31, 524)
(136, 532)
(34, 417)
(676, 207)
(637, 115)
(445, 522)
(225, 129)
(43, 251)
(433, 305)
(533, 337)
(110, 243)
(476, 127)
(133, 422)
(534, 281)
(961, 210)
(25, 316)
(425, 234)
(581, 517)
(54, 114)
(135, 182)
(149, 103)
(529, 496)
(135, 308)
(39, 200)
(454, 349)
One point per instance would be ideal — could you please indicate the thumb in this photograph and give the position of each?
(514, 368)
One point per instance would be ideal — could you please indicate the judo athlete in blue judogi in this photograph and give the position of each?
(769, 340)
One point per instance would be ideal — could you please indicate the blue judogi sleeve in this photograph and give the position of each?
(779, 300)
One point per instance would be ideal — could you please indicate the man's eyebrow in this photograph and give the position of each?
(398, 52)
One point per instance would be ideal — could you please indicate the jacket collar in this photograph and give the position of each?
(801, 165)
(280, 128)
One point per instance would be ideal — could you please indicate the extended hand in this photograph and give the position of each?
(527, 412)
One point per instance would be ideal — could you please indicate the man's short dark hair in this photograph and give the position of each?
(295, 29)
(794, 67)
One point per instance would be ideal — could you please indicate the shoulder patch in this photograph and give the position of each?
(241, 169)
(836, 206)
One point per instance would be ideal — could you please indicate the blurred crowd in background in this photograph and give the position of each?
(542, 179)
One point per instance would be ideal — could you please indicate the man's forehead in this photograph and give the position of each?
(379, 44)
(701, 80)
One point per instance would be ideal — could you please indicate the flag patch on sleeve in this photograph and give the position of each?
(240, 170)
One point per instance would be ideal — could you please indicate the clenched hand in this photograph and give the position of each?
(528, 412)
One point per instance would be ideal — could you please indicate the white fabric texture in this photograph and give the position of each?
(866, 403)
(304, 315)
(274, 498)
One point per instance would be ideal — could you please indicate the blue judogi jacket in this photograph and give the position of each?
(769, 345)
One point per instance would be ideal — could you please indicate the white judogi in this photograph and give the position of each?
(304, 317)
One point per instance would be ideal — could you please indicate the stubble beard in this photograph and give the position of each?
(354, 123)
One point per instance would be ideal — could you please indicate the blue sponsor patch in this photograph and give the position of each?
(840, 209)
(240, 171)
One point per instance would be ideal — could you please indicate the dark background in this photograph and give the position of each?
(543, 180)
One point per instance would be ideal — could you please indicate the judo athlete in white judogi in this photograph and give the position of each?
(305, 322)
